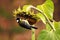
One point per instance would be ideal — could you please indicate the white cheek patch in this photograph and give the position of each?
(17, 20)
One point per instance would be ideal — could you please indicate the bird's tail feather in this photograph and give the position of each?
(35, 27)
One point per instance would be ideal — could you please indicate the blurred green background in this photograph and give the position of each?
(9, 29)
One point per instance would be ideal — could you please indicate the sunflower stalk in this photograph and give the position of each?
(33, 34)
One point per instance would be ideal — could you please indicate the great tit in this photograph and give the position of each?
(24, 23)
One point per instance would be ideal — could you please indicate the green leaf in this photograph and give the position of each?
(57, 27)
(48, 27)
(41, 17)
(47, 8)
(49, 35)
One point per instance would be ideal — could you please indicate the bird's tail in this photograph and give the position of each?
(35, 27)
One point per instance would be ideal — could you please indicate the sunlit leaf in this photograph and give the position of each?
(41, 17)
(49, 35)
(47, 7)
(57, 27)
(48, 27)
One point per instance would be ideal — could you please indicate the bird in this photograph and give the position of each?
(25, 24)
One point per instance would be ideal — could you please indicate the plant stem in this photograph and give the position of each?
(33, 34)
(48, 21)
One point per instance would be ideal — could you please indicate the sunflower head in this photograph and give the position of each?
(29, 16)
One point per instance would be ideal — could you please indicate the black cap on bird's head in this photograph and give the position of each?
(18, 19)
